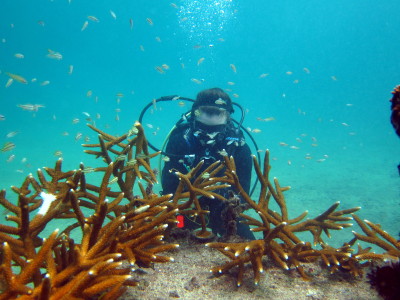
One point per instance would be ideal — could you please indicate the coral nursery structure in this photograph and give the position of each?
(116, 225)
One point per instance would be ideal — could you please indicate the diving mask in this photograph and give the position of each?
(211, 115)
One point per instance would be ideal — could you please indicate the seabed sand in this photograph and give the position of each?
(188, 277)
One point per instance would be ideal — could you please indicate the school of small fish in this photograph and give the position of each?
(18, 78)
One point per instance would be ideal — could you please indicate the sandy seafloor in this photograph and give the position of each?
(188, 277)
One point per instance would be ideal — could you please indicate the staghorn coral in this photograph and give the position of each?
(280, 242)
(118, 226)
(59, 268)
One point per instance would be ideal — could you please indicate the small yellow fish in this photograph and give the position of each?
(219, 101)
(30, 107)
(17, 78)
(223, 152)
(263, 75)
(269, 119)
(93, 18)
(19, 55)
(197, 81)
(121, 157)
(205, 175)
(8, 146)
(256, 130)
(10, 158)
(200, 61)
(88, 170)
(78, 136)
(54, 55)
(85, 25)
(150, 21)
(142, 156)
(11, 134)
(131, 162)
(9, 82)
(159, 69)
(119, 95)
(114, 180)
(233, 67)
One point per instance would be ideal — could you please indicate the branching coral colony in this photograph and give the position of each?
(59, 268)
(118, 226)
(280, 242)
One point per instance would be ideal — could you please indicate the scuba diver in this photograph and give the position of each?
(209, 134)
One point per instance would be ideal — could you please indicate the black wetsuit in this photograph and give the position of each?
(190, 144)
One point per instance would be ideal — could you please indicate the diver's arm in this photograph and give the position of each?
(176, 146)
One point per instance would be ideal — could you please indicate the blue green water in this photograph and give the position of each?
(331, 68)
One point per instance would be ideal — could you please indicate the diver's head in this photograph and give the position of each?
(212, 107)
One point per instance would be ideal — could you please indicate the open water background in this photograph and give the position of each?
(323, 70)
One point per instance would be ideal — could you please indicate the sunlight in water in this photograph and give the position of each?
(205, 20)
